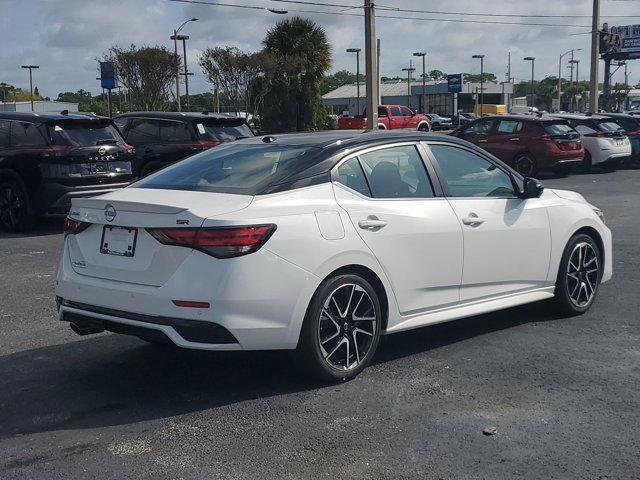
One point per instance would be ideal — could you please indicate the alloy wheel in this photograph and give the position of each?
(347, 327)
(10, 207)
(582, 274)
(525, 165)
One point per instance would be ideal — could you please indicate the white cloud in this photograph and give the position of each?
(65, 37)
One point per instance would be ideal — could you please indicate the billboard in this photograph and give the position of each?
(107, 75)
(454, 83)
(620, 42)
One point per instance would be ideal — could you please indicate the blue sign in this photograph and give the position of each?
(107, 75)
(454, 83)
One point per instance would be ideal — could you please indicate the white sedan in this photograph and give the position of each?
(320, 243)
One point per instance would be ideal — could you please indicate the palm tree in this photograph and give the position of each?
(302, 56)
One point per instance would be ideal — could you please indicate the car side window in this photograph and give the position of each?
(395, 112)
(26, 135)
(172, 132)
(143, 131)
(509, 126)
(396, 172)
(121, 123)
(483, 127)
(5, 125)
(469, 175)
(351, 175)
(406, 111)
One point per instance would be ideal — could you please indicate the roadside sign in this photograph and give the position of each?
(107, 75)
(454, 83)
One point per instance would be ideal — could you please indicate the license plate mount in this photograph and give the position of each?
(119, 241)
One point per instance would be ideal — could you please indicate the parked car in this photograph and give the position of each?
(46, 159)
(390, 117)
(527, 143)
(463, 118)
(604, 142)
(631, 126)
(438, 122)
(322, 242)
(162, 138)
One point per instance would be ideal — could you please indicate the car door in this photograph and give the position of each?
(396, 120)
(507, 242)
(144, 135)
(478, 132)
(177, 140)
(410, 119)
(406, 222)
(505, 141)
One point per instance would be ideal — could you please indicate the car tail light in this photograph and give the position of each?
(220, 242)
(595, 134)
(73, 227)
(208, 143)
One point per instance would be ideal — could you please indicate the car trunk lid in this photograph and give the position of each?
(116, 245)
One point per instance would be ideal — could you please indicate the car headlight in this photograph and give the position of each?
(599, 213)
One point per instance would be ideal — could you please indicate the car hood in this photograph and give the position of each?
(569, 195)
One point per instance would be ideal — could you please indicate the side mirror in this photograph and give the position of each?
(531, 188)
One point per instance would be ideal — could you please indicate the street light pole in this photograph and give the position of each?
(409, 70)
(357, 52)
(184, 39)
(575, 89)
(175, 37)
(533, 62)
(560, 74)
(371, 62)
(595, 54)
(31, 67)
(481, 57)
(424, 80)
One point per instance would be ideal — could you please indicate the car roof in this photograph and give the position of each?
(579, 116)
(47, 117)
(180, 115)
(619, 115)
(521, 117)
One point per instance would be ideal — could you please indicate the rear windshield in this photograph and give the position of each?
(628, 124)
(558, 128)
(609, 126)
(83, 134)
(231, 168)
(223, 131)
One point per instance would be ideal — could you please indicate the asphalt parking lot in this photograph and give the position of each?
(564, 393)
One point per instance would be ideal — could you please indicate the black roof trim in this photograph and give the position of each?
(179, 115)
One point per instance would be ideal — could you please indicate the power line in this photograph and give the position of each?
(397, 17)
(440, 12)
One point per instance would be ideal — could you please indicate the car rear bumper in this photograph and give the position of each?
(246, 305)
(56, 198)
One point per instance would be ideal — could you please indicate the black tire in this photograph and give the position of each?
(525, 165)
(424, 128)
(587, 162)
(324, 318)
(569, 279)
(15, 212)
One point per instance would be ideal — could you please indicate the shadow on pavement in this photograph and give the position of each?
(113, 379)
(44, 225)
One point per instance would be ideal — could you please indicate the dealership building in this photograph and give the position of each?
(39, 106)
(435, 98)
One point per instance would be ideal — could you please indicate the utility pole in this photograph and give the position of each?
(532, 91)
(31, 67)
(595, 54)
(357, 52)
(184, 39)
(575, 90)
(175, 37)
(371, 62)
(378, 69)
(509, 67)
(409, 70)
(424, 80)
(481, 57)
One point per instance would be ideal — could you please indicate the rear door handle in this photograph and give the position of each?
(372, 223)
(473, 220)
(482, 141)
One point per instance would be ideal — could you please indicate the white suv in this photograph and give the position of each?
(603, 139)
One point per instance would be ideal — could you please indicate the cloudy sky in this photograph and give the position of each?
(66, 37)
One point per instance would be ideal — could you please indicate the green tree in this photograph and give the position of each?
(338, 79)
(299, 55)
(475, 77)
(146, 72)
(436, 75)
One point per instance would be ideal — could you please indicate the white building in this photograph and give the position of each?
(39, 106)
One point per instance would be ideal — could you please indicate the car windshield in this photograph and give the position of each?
(83, 133)
(223, 131)
(608, 126)
(558, 128)
(232, 168)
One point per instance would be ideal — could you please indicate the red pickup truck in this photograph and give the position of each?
(390, 117)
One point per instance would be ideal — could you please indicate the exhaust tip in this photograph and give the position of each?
(85, 330)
